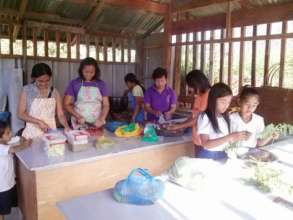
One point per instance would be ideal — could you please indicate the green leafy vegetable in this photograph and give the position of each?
(283, 129)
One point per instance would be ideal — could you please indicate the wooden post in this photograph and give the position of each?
(78, 46)
(211, 60)
(34, 42)
(24, 53)
(87, 43)
(177, 79)
(282, 55)
(267, 57)
(222, 50)
(114, 49)
(195, 59)
(97, 48)
(253, 58)
(122, 50)
(105, 50)
(129, 50)
(11, 40)
(57, 34)
(68, 39)
(46, 42)
(167, 38)
(228, 21)
(241, 57)
(202, 52)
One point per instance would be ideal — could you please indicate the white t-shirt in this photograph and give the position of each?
(137, 91)
(7, 174)
(204, 126)
(256, 125)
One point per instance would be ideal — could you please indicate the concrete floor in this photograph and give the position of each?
(14, 215)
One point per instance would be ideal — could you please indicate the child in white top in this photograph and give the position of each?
(7, 173)
(214, 124)
(247, 120)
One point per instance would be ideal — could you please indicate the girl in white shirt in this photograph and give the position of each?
(247, 120)
(7, 174)
(214, 125)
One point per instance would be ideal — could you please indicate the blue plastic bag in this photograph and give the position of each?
(113, 125)
(139, 188)
(4, 116)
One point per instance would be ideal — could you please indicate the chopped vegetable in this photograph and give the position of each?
(104, 142)
(283, 129)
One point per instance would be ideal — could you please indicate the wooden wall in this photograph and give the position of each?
(276, 105)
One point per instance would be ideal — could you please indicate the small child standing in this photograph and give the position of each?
(247, 120)
(8, 195)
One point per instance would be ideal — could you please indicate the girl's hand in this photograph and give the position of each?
(44, 126)
(81, 120)
(99, 123)
(67, 129)
(239, 136)
(275, 135)
(25, 142)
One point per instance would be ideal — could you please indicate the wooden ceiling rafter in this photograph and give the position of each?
(19, 19)
(196, 4)
(91, 19)
(145, 5)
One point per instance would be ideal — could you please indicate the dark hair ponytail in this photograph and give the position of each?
(218, 90)
(197, 80)
(247, 91)
(130, 77)
(3, 126)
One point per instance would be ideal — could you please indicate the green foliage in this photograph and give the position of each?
(283, 129)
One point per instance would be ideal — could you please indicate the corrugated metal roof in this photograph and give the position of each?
(117, 19)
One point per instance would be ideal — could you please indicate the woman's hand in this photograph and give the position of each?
(239, 136)
(99, 123)
(173, 127)
(157, 113)
(168, 115)
(81, 120)
(43, 126)
(25, 142)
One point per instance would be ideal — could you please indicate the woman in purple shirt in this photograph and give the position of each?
(160, 100)
(86, 97)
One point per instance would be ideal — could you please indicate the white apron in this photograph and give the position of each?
(42, 109)
(88, 104)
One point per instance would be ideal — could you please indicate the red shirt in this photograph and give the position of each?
(200, 104)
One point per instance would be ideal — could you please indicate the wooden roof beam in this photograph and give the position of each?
(93, 15)
(48, 17)
(74, 30)
(16, 27)
(196, 4)
(145, 5)
(245, 4)
(242, 17)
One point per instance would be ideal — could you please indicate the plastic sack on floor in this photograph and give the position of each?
(192, 173)
(131, 130)
(149, 134)
(4, 116)
(139, 188)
